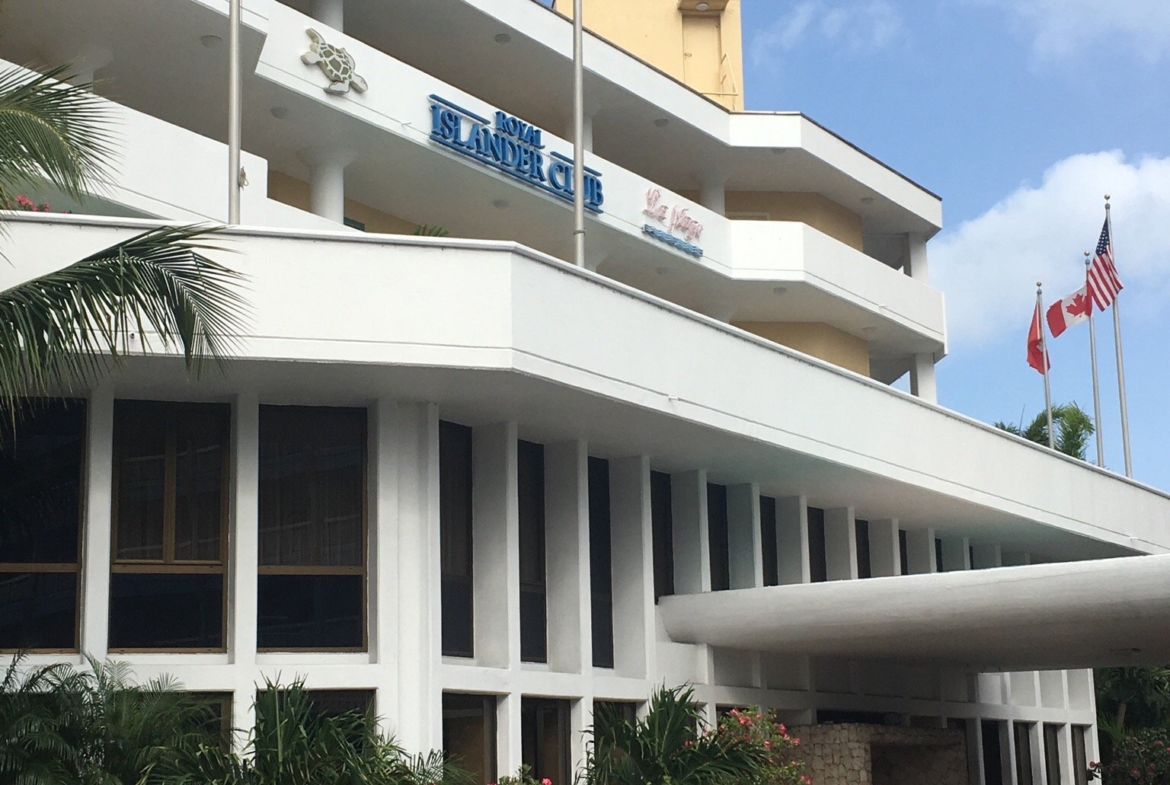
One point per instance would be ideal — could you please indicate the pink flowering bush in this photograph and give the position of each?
(22, 202)
(773, 745)
(1140, 758)
(523, 777)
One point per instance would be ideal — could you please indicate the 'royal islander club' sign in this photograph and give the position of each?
(512, 146)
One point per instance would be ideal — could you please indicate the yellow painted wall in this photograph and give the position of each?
(820, 340)
(295, 193)
(704, 50)
(813, 209)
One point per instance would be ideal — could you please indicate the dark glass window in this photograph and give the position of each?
(1023, 753)
(455, 533)
(600, 563)
(533, 612)
(469, 734)
(169, 559)
(544, 738)
(1051, 754)
(861, 532)
(992, 754)
(610, 711)
(903, 553)
(938, 557)
(769, 541)
(817, 560)
(40, 524)
(312, 529)
(717, 537)
(1080, 755)
(662, 524)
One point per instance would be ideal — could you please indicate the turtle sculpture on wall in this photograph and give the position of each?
(335, 63)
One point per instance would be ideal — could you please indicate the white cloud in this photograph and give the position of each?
(1092, 28)
(988, 267)
(858, 26)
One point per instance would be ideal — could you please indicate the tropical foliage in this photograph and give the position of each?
(64, 328)
(672, 744)
(1072, 424)
(1141, 758)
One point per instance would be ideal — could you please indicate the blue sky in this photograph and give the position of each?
(1021, 114)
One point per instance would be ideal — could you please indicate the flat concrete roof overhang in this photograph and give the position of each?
(1109, 612)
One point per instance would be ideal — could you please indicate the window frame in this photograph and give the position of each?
(58, 568)
(168, 565)
(362, 569)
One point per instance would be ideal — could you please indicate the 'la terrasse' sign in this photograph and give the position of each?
(512, 146)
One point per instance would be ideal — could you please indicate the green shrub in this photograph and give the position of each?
(1139, 758)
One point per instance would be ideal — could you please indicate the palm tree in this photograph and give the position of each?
(1073, 427)
(669, 745)
(63, 725)
(65, 327)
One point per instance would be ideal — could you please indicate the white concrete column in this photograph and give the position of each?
(840, 544)
(566, 556)
(327, 180)
(96, 529)
(713, 196)
(792, 558)
(509, 741)
(956, 554)
(420, 721)
(383, 523)
(975, 775)
(885, 558)
(922, 377)
(329, 12)
(916, 264)
(1008, 752)
(495, 516)
(744, 544)
(632, 546)
(580, 720)
(244, 551)
(692, 550)
(985, 556)
(920, 552)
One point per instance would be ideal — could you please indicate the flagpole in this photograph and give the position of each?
(234, 135)
(1120, 356)
(578, 135)
(1096, 386)
(1044, 351)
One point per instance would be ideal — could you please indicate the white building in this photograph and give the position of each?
(485, 489)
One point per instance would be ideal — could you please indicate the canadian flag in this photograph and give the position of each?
(1073, 309)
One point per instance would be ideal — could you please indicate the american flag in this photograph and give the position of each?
(1104, 284)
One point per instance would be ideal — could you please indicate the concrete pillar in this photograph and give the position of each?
(744, 543)
(885, 559)
(920, 552)
(566, 555)
(984, 557)
(713, 196)
(327, 181)
(840, 544)
(495, 542)
(419, 570)
(244, 553)
(792, 540)
(922, 377)
(509, 741)
(956, 554)
(382, 590)
(916, 264)
(632, 546)
(692, 551)
(96, 529)
(975, 775)
(329, 12)
(580, 721)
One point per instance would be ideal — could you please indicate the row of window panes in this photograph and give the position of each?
(168, 546)
(995, 759)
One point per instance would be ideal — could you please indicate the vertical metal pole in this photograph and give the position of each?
(1117, 344)
(1096, 386)
(234, 134)
(1044, 351)
(578, 135)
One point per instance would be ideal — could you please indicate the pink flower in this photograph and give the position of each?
(796, 742)
(546, 781)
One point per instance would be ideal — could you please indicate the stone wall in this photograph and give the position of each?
(882, 755)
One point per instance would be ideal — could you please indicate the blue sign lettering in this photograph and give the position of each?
(512, 146)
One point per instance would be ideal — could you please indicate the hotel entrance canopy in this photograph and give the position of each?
(1108, 612)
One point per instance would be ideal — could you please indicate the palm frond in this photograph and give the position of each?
(62, 328)
(51, 130)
